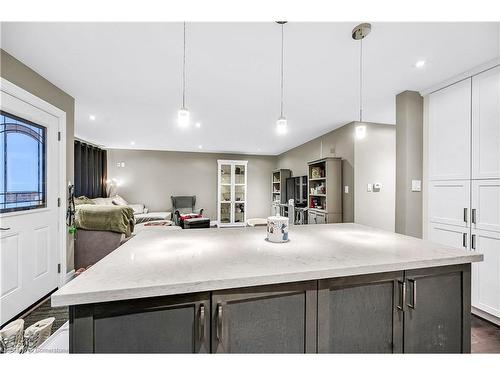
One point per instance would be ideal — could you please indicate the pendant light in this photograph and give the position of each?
(183, 113)
(359, 33)
(281, 124)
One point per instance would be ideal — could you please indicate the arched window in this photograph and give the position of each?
(22, 164)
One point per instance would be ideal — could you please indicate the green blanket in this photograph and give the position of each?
(118, 219)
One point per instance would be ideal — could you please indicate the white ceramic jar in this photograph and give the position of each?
(277, 229)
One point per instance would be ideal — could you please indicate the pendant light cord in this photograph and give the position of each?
(184, 70)
(282, 64)
(361, 81)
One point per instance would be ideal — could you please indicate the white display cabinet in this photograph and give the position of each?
(231, 193)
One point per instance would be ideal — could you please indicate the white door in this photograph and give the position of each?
(449, 132)
(449, 202)
(449, 235)
(486, 124)
(485, 214)
(486, 274)
(29, 246)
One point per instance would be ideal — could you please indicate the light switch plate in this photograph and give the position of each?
(369, 187)
(416, 185)
(346, 189)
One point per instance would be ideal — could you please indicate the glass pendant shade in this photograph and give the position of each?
(183, 117)
(281, 126)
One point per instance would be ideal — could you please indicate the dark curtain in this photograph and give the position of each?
(90, 170)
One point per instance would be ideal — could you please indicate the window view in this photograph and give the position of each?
(22, 163)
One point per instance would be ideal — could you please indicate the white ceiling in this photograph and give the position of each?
(129, 76)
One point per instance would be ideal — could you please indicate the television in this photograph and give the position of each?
(296, 189)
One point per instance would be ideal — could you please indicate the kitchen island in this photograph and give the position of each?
(333, 288)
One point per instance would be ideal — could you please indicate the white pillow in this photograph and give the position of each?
(138, 208)
(103, 201)
(119, 201)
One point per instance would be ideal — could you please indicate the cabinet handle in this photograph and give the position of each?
(4, 228)
(464, 240)
(473, 216)
(201, 323)
(402, 293)
(219, 322)
(473, 242)
(414, 294)
(466, 210)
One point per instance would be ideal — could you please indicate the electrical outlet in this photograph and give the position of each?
(416, 185)
(346, 189)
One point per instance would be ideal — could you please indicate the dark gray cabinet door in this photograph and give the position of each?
(268, 319)
(361, 314)
(437, 310)
(155, 325)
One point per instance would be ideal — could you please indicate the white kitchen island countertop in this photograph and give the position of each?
(159, 262)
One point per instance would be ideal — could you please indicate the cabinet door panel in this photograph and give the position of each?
(270, 319)
(437, 311)
(321, 218)
(179, 324)
(486, 124)
(360, 315)
(168, 330)
(486, 205)
(449, 202)
(449, 132)
(449, 235)
(486, 274)
(311, 217)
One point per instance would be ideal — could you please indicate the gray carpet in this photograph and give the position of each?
(46, 311)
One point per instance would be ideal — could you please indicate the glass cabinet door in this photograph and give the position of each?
(239, 212)
(239, 174)
(232, 193)
(225, 213)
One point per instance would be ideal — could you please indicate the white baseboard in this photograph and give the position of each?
(491, 318)
(69, 276)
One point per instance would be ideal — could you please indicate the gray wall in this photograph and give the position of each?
(367, 160)
(151, 177)
(339, 143)
(19, 74)
(409, 158)
(375, 162)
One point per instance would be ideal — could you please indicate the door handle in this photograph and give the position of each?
(473, 219)
(219, 322)
(5, 228)
(413, 303)
(466, 211)
(473, 242)
(201, 323)
(402, 293)
(464, 240)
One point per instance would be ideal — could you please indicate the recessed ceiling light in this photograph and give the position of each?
(198, 125)
(420, 64)
(132, 143)
(91, 117)
(200, 147)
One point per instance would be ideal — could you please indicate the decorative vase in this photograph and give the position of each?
(11, 337)
(277, 229)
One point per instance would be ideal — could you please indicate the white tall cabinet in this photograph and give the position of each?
(463, 185)
(231, 193)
